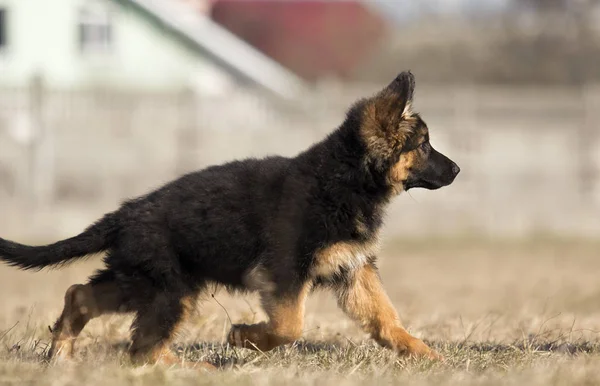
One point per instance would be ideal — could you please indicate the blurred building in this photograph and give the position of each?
(312, 38)
(511, 93)
(139, 44)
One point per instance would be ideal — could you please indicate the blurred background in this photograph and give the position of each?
(102, 100)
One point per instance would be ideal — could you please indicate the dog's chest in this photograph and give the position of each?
(343, 256)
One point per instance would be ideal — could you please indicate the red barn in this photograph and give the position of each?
(312, 38)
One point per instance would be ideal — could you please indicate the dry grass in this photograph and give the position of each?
(501, 313)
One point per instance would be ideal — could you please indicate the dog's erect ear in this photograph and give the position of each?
(401, 90)
(387, 120)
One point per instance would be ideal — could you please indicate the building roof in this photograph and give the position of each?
(214, 41)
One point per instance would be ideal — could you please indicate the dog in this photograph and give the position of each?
(278, 226)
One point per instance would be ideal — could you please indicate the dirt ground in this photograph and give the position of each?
(500, 312)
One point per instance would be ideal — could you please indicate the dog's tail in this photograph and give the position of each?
(96, 238)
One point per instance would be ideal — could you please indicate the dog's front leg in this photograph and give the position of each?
(285, 310)
(363, 298)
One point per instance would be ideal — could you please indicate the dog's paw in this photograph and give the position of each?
(252, 336)
(235, 337)
(418, 348)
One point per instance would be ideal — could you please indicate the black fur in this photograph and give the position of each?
(96, 238)
(218, 224)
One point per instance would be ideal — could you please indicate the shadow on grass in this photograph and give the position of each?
(549, 347)
(317, 347)
(225, 356)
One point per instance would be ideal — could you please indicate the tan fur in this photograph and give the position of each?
(148, 346)
(164, 356)
(360, 225)
(350, 255)
(365, 301)
(408, 111)
(401, 170)
(82, 303)
(392, 139)
(258, 280)
(286, 320)
(85, 302)
(410, 160)
(383, 140)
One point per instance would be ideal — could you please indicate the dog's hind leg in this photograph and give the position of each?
(364, 300)
(286, 320)
(154, 327)
(82, 303)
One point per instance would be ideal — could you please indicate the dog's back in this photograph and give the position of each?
(278, 226)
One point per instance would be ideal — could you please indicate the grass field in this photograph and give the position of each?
(501, 313)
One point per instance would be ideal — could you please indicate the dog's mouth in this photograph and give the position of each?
(434, 177)
(429, 185)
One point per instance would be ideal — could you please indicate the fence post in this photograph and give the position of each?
(41, 147)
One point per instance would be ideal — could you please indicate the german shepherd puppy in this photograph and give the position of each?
(278, 226)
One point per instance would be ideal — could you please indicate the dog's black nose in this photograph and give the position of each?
(455, 169)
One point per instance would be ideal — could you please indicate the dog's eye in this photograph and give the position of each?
(424, 146)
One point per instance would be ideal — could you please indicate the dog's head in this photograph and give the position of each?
(397, 140)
